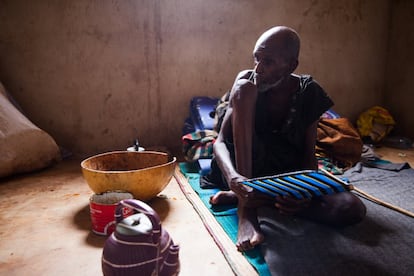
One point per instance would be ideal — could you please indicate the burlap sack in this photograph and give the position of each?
(23, 146)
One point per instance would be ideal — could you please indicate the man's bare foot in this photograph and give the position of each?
(249, 234)
(223, 197)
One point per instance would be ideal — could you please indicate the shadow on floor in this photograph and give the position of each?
(83, 221)
(160, 205)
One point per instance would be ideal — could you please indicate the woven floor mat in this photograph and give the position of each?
(237, 261)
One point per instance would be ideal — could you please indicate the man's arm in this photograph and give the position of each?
(239, 170)
(221, 151)
(309, 159)
(289, 205)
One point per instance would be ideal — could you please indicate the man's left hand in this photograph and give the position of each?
(289, 206)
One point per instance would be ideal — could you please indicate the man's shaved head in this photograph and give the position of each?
(280, 38)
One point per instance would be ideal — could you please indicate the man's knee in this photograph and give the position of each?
(244, 93)
(348, 209)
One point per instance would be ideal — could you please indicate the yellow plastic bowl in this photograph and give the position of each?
(143, 174)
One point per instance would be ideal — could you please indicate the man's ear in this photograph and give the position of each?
(293, 64)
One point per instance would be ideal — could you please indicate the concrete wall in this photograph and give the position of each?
(97, 74)
(399, 96)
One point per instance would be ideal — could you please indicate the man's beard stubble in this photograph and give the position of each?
(265, 86)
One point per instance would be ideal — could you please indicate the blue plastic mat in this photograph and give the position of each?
(226, 215)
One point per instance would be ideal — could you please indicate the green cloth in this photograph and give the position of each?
(226, 215)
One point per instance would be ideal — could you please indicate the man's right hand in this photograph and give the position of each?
(249, 196)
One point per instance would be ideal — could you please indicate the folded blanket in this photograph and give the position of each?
(198, 144)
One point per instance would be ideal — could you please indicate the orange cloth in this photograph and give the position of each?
(339, 140)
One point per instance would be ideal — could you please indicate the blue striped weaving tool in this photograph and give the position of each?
(299, 184)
